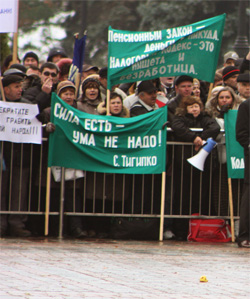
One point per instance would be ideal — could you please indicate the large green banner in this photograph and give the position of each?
(107, 144)
(192, 50)
(235, 152)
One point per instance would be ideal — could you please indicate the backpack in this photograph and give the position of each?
(209, 230)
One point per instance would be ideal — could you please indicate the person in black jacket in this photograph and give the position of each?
(41, 93)
(190, 114)
(243, 137)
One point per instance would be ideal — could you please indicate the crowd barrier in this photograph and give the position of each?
(186, 189)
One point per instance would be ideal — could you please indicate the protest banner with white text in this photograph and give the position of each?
(107, 144)
(191, 50)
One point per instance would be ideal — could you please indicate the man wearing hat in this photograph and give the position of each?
(87, 70)
(230, 58)
(30, 58)
(183, 88)
(243, 85)
(19, 165)
(229, 76)
(147, 93)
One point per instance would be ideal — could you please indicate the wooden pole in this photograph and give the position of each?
(231, 208)
(47, 206)
(211, 86)
(2, 90)
(108, 102)
(163, 187)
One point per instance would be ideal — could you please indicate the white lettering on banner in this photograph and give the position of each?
(158, 46)
(177, 47)
(125, 62)
(134, 37)
(205, 34)
(179, 32)
(65, 114)
(160, 71)
(86, 139)
(148, 63)
(137, 161)
(237, 163)
(97, 125)
(142, 142)
(110, 141)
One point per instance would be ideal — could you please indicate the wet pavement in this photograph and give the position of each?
(94, 268)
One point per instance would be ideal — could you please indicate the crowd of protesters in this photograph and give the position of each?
(190, 105)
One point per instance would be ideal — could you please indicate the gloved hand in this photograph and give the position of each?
(50, 127)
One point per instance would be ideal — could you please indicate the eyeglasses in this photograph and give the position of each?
(53, 75)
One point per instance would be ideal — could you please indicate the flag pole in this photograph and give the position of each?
(231, 208)
(211, 86)
(163, 187)
(15, 37)
(108, 102)
(47, 205)
(2, 91)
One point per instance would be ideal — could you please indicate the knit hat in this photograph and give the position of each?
(56, 51)
(7, 80)
(182, 78)
(146, 86)
(31, 54)
(244, 77)
(88, 82)
(65, 84)
(230, 55)
(229, 71)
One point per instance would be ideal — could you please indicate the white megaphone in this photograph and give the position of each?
(199, 159)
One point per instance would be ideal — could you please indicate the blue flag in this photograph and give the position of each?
(78, 58)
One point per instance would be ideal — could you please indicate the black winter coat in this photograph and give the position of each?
(181, 125)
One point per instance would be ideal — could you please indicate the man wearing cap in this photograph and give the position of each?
(41, 93)
(229, 76)
(30, 58)
(243, 85)
(147, 93)
(87, 70)
(19, 167)
(183, 88)
(230, 58)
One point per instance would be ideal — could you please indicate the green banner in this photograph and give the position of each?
(235, 152)
(192, 50)
(107, 144)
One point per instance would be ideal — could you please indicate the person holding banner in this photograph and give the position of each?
(91, 96)
(243, 137)
(66, 91)
(116, 106)
(18, 166)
